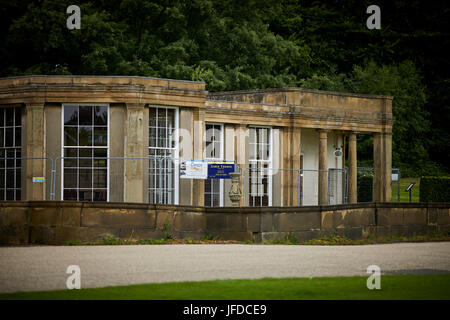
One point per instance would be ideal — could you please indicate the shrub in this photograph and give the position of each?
(208, 237)
(166, 231)
(434, 189)
(292, 237)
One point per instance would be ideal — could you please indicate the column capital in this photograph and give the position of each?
(34, 105)
(323, 134)
(382, 133)
(135, 105)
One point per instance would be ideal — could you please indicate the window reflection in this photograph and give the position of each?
(86, 142)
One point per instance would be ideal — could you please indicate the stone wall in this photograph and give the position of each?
(54, 222)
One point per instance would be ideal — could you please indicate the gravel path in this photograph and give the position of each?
(44, 267)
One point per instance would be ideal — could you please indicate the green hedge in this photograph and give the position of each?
(365, 188)
(435, 189)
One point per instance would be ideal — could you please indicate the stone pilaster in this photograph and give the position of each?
(198, 192)
(134, 147)
(35, 148)
(352, 169)
(291, 160)
(382, 166)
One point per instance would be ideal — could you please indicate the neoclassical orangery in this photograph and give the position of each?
(121, 139)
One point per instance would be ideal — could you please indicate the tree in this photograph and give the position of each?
(233, 44)
(411, 124)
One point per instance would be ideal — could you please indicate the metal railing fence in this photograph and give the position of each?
(306, 188)
(15, 170)
(159, 178)
(366, 184)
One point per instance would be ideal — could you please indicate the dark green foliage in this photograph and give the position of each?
(234, 44)
(365, 188)
(403, 82)
(435, 189)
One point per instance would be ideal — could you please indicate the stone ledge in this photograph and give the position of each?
(55, 222)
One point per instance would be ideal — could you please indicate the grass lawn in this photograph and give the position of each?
(404, 195)
(392, 287)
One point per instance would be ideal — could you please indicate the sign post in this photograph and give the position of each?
(409, 189)
(220, 170)
(194, 169)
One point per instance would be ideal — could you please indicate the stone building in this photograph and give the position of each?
(67, 137)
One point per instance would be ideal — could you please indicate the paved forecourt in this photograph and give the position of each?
(44, 267)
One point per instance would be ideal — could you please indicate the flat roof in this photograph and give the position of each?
(296, 89)
(96, 76)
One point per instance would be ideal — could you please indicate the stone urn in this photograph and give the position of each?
(235, 190)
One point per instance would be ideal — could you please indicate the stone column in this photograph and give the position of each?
(35, 148)
(241, 157)
(352, 169)
(134, 147)
(323, 167)
(382, 166)
(198, 185)
(291, 160)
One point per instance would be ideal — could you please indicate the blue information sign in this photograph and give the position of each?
(220, 170)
